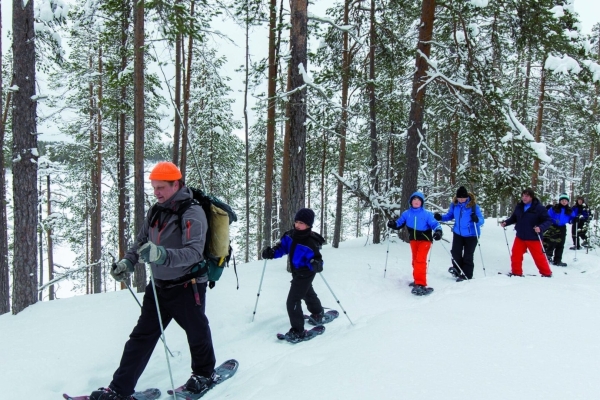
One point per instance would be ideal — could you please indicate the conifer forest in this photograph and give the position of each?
(346, 107)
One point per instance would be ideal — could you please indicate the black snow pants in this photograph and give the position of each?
(301, 289)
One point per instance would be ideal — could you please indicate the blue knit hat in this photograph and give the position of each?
(305, 215)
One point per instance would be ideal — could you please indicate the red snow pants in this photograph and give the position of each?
(420, 251)
(519, 248)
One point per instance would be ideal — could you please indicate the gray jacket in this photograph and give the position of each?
(184, 243)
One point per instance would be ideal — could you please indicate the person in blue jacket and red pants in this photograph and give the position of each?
(531, 219)
(422, 229)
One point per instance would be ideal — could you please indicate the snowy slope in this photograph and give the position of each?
(494, 337)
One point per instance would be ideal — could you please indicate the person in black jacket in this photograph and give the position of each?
(302, 246)
(531, 219)
(579, 227)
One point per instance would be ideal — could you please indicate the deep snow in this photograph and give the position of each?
(494, 337)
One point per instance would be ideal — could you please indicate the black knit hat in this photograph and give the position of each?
(462, 193)
(305, 215)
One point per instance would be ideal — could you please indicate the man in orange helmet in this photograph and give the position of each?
(173, 245)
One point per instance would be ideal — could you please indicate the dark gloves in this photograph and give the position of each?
(122, 270)
(151, 253)
(437, 216)
(317, 265)
(392, 224)
(268, 253)
(474, 218)
(437, 234)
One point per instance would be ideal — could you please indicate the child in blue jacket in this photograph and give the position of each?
(422, 229)
(555, 237)
(302, 246)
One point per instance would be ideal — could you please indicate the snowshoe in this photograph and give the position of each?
(420, 290)
(455, 272)
(322, 318)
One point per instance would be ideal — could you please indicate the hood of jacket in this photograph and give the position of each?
(472, 200)
(420, 196)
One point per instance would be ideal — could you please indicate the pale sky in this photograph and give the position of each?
(589, 13)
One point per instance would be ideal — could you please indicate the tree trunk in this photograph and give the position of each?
(4, 276)
(123, 231)
(323, 188)
(415, 123)
(337, 228)
(139, 127)
(270, 142)
(297, 149)
(537, 135)
(373, 118)
(51, 294)
(247, 137)
(285, 212)
(186, 100)
(4, 285)
(177, 122)
(24, 154)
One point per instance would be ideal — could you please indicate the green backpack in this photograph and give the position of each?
(217, 247)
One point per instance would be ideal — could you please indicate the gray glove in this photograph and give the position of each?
(151, 253)
(122, 270)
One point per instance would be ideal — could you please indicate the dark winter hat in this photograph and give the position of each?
(305, 215)
(462, 193)
(563, 196)
(528, 191)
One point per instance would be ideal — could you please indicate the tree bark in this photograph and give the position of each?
(415, 122)
(285, 211)
(51, 294)
(4, 276)
(123, 231)
(373, 128)
(186, 100)
(177, 122)
(297, 149)
(247, 137)
(270, 142)
(24, 126)
(537, 135)
(139, 128)
(337, 228)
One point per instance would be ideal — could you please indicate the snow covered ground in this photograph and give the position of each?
(491, 338)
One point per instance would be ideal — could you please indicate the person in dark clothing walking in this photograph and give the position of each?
(303, 247)
(174, 252)
(466, 231)
(530, 218)
(579, 226)
(554, 238)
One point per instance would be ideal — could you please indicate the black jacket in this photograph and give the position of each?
(536, 215)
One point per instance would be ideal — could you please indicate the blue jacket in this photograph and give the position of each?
(561, 215)
(461, 213)
(419, 222)
(581, 210)
(536, 215)
(301, 247)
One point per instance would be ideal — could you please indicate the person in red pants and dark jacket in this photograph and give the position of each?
(531, 219)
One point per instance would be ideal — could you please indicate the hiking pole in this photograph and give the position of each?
(453, 260)
(388, 251)
(505, 238)
(140, 304)
(259, 286)
(479, 245)
(162, 329)
(576, 241)
(336, 299)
